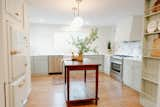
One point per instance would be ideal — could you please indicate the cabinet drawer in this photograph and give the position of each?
(17, 92)
(15, 8)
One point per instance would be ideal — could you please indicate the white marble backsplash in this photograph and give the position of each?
(130, 48)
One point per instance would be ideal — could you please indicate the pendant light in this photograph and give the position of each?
(77, 21)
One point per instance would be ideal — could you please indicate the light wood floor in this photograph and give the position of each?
(48, 91)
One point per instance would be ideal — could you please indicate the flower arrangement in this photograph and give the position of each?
(84, 45)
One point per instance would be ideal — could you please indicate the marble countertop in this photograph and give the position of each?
(134, 58)
(60, 54)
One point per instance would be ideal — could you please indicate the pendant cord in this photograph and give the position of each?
(78, 8)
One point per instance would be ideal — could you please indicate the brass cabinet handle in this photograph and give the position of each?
(25, 65)
(25, 37)
(14, 52)
(17, 14)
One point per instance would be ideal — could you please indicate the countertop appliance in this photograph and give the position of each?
(117, 67)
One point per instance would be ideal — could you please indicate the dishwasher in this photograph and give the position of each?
(55, 64)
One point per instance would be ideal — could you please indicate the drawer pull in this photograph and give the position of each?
(25, 37)
(14, 52)
(17, 14)
(22, 84)
(25, 65)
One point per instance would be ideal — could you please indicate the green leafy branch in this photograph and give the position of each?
(84, 45)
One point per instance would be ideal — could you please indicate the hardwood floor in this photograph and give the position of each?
(48, 91)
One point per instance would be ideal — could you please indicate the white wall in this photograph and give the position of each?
(42, 38)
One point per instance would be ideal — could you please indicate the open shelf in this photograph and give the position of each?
(151, 80)
(151, 70)
(149, 11)
(153, 33)
(149, 96)
(152, 14)
(150, 57)
(150, 89)
(151, 48)
(147, 102)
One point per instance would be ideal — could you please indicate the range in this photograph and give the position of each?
(117, 67)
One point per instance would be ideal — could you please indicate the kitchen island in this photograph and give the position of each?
(87, 64)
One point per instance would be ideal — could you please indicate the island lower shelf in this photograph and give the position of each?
(80, 91)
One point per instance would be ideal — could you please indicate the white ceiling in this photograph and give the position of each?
(94, 12)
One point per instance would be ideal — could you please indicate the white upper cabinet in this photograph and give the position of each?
(129, 29)
(17, 51)
(15, 8)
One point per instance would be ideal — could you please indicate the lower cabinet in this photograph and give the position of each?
(17, 92)
(132, 73)
(107, 64)
(2, 97)
(39, 65)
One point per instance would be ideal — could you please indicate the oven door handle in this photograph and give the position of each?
(116, 63)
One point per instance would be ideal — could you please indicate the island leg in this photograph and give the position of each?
(85, 74)
(68, 87)
(65, 69)
(97, 77)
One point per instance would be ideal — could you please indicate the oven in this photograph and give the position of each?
(117, 68)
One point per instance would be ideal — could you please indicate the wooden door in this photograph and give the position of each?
(17, 51)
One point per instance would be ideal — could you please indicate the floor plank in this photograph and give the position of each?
(48, 91)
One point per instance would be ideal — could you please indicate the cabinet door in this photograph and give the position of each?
(132, 73)
(27, 85)
(127, 72)
(17, 51)
(40, 65)
(17, 92)
(137, 67)
(2, 98)
(15, 8)
(107, 64)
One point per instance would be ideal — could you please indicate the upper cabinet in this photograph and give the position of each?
(15, 8)
(129, 29)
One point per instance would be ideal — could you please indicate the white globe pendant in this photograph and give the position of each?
(77, 22)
